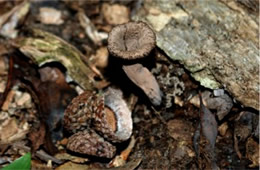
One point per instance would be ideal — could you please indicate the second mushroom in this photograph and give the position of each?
(135, 40)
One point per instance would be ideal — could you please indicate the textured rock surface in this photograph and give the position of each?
(217, 41)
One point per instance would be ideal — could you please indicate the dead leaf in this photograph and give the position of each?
(131, 165)
(252, 152)
(223, 128)
(90, 29)
(209, 129)
(99, 61)
(182, 152)
(209, 125)
(36, 165)
(10, 20)
(53, 104)
(180, 130)
(72, 158)
(51, 94)
(37, 136)
(243, 128)
(222, 103)
(196, 140)
(71, 165)
(7, 129)
(120, 160)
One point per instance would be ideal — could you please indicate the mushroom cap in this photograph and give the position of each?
(131, 40)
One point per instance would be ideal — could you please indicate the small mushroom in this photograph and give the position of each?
(131, 40)
(135, 40)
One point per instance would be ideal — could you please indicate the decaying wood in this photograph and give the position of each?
(44, 47)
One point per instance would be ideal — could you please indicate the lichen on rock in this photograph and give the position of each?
(215, 40)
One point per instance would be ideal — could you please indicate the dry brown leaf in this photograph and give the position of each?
(7, 129)
(121, 159)
(252, 152)
(37, 137)
(100, 59)
(180, 130)
(223, 128)
(222, 103)
(71, 165)
(36, 165)
(72, 158)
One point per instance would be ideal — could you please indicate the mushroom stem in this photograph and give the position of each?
(144, 79)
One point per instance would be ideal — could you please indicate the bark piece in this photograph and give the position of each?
(44, 47)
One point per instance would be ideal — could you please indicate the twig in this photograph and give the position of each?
(40, 154)
(9, 81)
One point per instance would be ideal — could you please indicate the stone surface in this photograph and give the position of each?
(217, 41)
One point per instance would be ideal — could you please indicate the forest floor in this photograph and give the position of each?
(34, 97)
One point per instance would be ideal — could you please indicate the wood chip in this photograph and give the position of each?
(50, 16)
(8, 100)
(25, 98)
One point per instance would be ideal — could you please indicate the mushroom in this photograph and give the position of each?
(135, 40)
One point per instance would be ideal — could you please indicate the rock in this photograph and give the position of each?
(217, 41)
(50, 16)
(115, 14)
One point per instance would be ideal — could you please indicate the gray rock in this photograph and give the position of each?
(216, 41)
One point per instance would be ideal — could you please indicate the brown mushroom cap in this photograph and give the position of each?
(131, 40)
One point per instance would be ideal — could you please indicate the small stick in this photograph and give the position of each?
(40, 154)
(9, 81)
